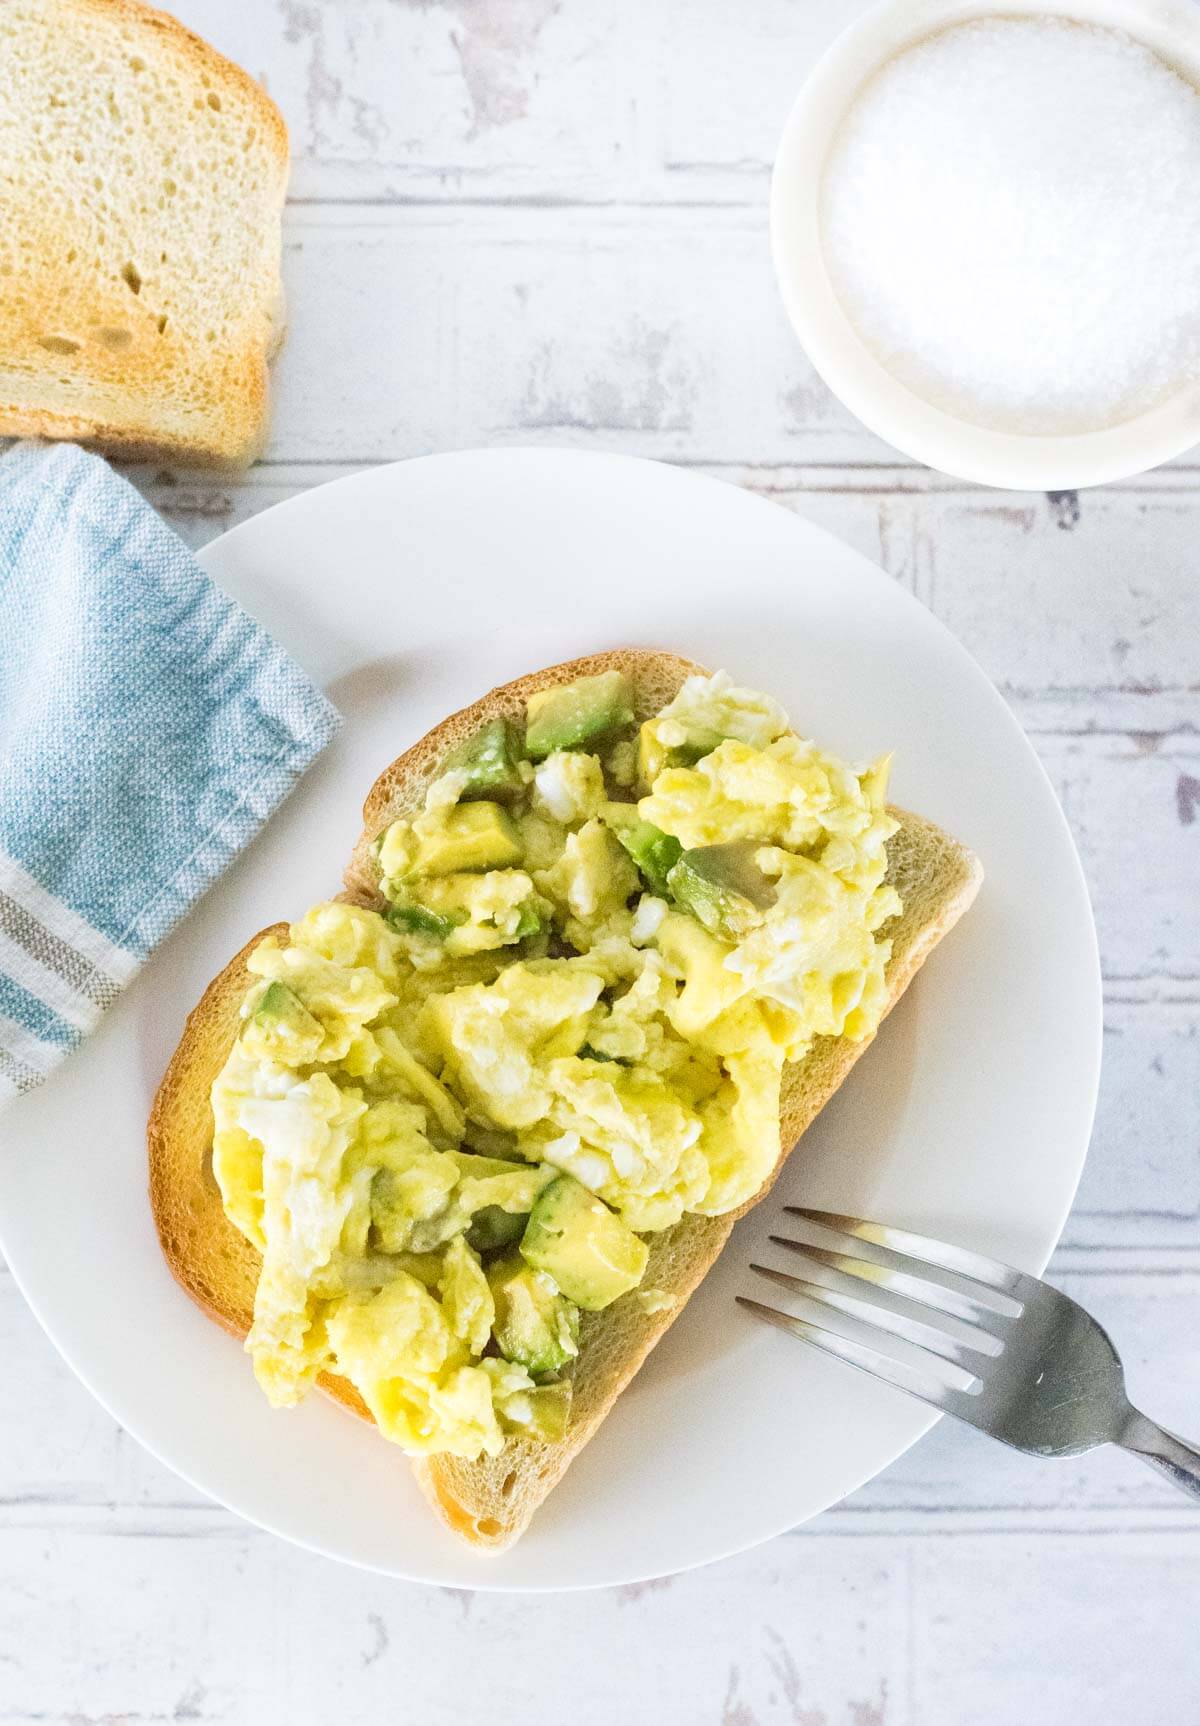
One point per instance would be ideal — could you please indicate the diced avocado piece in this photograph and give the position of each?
(281, 1024)
(655, 852)
(549, 1411)
(577, 713)
(469, 837)
(493, 1229)
(413, 919)
(618, 817)
(653, 756)
(592, 1255)
(475, 1166)
(529, 922)
(277, 1002)
(723, 887)
(498, 1143)
(534, 1325)
(491, 762)
(490, 1181)
(698, 745)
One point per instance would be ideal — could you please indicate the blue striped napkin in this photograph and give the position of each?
(148, 728)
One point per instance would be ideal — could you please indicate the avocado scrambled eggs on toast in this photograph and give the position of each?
(450, 1125)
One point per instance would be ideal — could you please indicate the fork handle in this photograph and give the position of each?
(1179, 1461)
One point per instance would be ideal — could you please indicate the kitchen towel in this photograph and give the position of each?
(148, 728)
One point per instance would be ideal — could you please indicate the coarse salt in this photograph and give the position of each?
(1011, 220)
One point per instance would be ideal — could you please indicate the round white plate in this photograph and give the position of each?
(408, 591)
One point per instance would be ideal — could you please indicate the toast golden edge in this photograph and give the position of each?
(490, 1502)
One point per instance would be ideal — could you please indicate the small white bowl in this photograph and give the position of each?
(1172, 29)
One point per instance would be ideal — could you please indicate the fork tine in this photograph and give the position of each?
(890, 1318)
(921, 1290)
(869, 1360)
(974, 1266)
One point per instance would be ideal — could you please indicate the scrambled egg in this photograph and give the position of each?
(445, 1125)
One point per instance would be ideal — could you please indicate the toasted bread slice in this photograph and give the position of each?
(491, 1501)
(144, 178)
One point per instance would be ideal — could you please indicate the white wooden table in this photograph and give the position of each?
(521, 221)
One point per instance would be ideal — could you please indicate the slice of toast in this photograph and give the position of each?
(490, 1502)
(144, 178)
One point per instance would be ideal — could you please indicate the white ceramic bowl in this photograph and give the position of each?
(888, 407)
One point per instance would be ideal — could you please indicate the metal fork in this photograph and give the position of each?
(996, 1348)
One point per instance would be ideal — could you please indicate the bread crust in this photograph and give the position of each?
(490, 1502)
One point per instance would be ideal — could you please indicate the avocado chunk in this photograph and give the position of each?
(577, 713)
(529, 922)
(479, 1166)
(491, 761)
(592, 1255)
(494, 1229)
(534, 1325)
(653, 756)
(279, 1004)
(723, 887)
(549, 1411)
(413, 919)
(655, 852)
(469, 837)
(521, 1179)
(283, 1025)
(491, 1183)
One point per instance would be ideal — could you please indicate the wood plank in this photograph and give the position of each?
(529, 98)
(1128, 804)
(1141, 1182)
(417, 329)
(807, 1632)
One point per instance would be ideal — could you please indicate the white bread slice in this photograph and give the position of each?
(490, 1502)
(143, 179)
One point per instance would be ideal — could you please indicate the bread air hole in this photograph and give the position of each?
(214, 101)
(114, 338)
(507, 1484)
(131, 278)
(58, 344)
(488, 1527)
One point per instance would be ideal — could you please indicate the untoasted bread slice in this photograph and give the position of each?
(490, 1502)
(144, 178)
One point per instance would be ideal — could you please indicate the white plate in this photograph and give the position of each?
(408, 591)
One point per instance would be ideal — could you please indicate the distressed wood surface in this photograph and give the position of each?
(543, 221)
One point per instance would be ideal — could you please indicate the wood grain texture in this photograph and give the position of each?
(543, 221)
